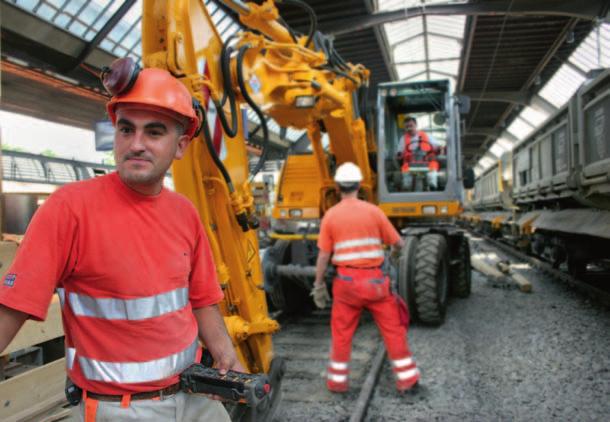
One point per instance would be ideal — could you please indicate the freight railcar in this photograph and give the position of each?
(555, 203)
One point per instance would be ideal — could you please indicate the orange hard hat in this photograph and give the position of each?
(158, 88)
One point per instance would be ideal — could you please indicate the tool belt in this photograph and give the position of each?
(74, 394)
(147, 395)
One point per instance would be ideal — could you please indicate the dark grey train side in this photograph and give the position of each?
(556, 199)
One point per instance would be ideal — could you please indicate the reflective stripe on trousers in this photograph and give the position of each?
(129, 309)
(138, 372)
(337, 371)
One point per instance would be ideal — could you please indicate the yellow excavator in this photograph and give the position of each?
(301, 82)
(421, 200)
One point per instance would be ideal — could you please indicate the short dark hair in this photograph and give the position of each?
(348, 187)
(410, 118)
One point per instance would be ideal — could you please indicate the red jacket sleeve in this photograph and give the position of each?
(204, 286)
(45, 257)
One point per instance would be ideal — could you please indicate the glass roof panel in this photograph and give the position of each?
(399, 31)
(562, 86)
(520, 129)
(386, 5)
(449, 26)
(409, 51)
(407, 71)
(497, 150)
(533, 115)
(594, 51)
(82, 18)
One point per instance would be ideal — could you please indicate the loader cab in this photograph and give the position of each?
(418, 140)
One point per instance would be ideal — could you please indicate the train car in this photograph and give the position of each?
(558, 205)
(492, 201)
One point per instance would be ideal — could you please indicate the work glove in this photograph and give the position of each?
(394, 256)
(320, 296)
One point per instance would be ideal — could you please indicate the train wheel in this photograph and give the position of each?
(461, 277)
(431, 279)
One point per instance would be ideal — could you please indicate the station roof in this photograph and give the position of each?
(518, 60)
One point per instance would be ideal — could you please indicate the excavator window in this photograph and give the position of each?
(416, 159)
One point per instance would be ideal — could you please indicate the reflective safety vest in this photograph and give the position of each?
(94, 363)
(419, 152)
(355, 231)
(349, 251)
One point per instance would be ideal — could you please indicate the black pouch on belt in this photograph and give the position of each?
(74, 393)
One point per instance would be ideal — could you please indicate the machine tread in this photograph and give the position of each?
(429, 257)
(461, 275)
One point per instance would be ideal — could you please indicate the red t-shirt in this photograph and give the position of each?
(100, 239)
(355, 232)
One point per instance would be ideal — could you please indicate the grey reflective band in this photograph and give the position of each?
(366, 241)
(138, 372)
(70, 354)
(62, 296)
(357, 255)
(129, 309)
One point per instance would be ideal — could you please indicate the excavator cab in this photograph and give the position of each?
(418, 141)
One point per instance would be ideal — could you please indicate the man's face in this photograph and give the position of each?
(411, 127)
(146, 141)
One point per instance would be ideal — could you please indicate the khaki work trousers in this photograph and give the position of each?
(180, 407)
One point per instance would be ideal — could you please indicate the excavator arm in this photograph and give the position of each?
(293, 79)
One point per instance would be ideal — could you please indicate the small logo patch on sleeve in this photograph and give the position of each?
(9, 280)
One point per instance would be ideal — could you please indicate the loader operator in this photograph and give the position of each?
(133, 269)
(417, 148)
(353, 232)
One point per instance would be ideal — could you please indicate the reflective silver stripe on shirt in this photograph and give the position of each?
(70, 354)
(61, 292)
(138, 372)
(366, 241)
(357, 255)
(129, 309)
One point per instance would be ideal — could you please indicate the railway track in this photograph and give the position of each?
(597, 294)
(304, 343)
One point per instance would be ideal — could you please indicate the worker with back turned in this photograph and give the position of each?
(353, 232)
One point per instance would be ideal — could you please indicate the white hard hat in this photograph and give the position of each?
(348, 173)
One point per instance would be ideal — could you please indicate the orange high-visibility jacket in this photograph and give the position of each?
(409, 155)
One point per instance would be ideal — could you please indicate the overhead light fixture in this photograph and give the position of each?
(537, 80)
(570, 37)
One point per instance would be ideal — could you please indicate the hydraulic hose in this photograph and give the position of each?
(225, 69)
(242, 218)
(313, 20)
(244, 92)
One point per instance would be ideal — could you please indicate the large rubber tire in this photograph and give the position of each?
(406, 274)
(431, 284)
(461, 277)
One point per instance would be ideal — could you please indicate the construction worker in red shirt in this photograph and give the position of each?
(418, 149)
(132, 265)
(353, 232)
